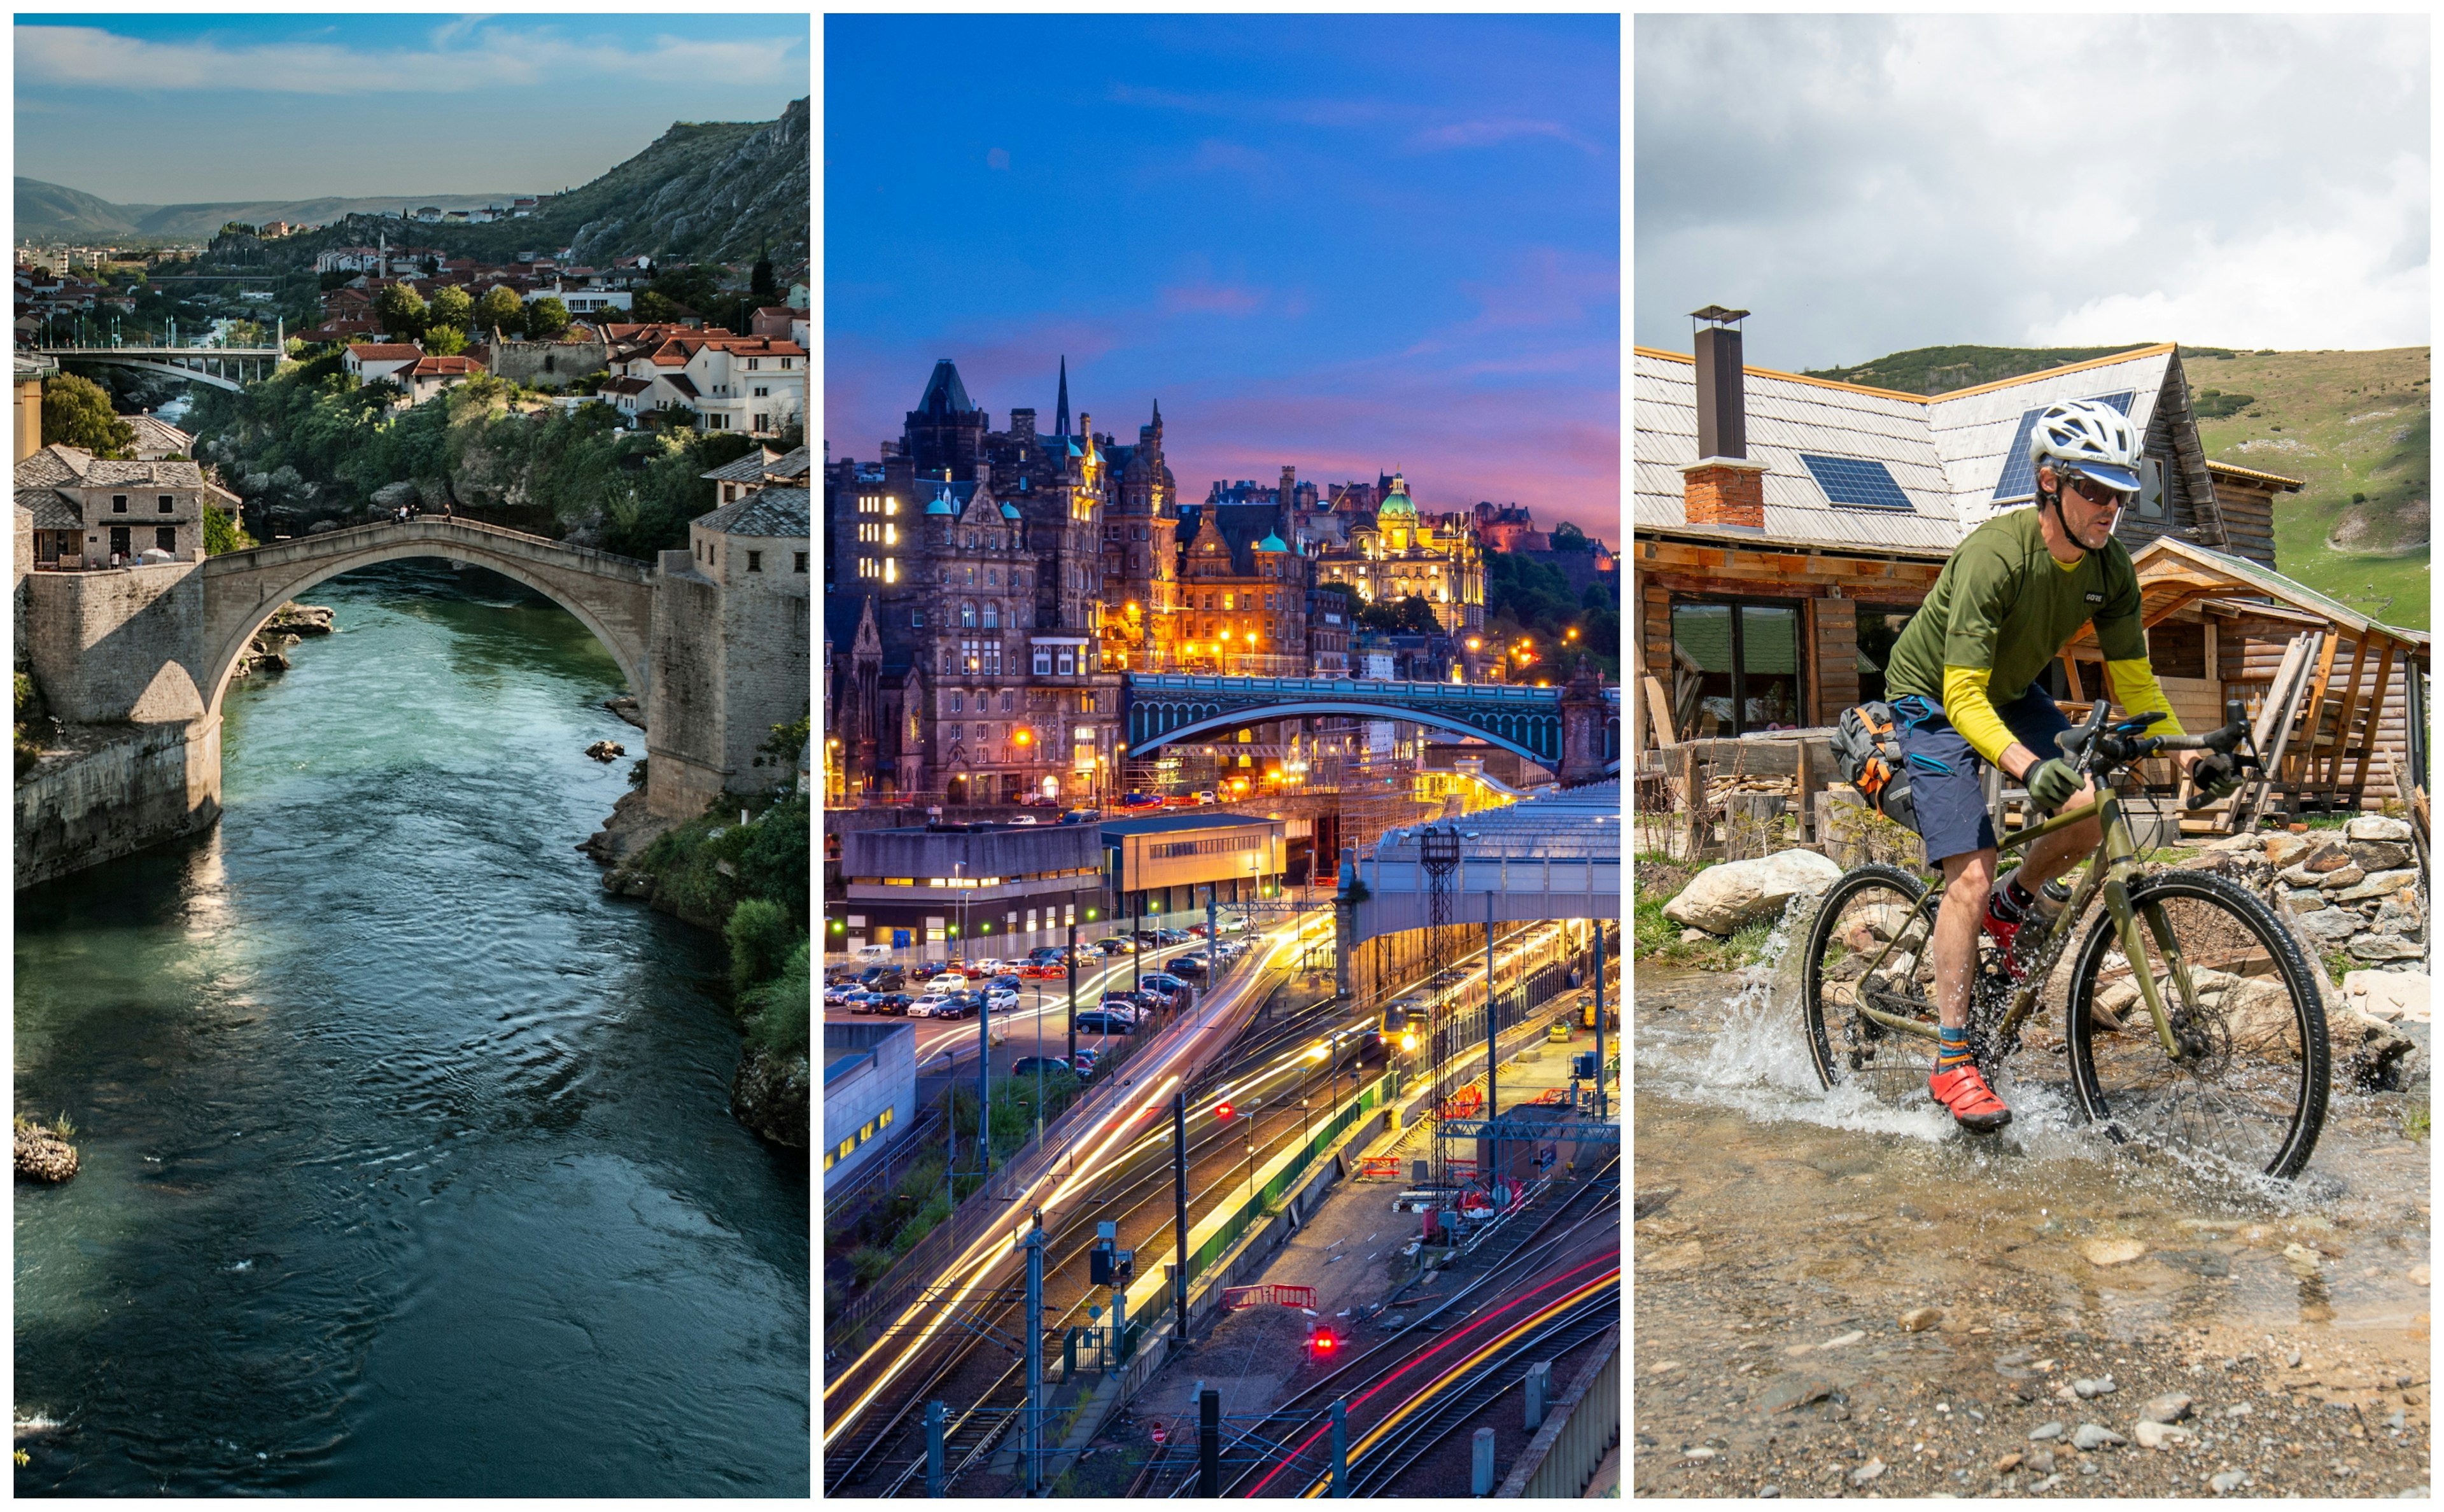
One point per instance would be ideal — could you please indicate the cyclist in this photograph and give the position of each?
(1965, 672)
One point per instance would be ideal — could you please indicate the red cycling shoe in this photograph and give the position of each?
(2018, 954)
(1972, 1104)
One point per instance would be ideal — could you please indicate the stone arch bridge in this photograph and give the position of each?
(1573, 730)
(219, 367)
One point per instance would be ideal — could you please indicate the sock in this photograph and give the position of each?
(1953, 1048)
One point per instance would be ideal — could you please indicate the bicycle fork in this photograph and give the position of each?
(2134, 949)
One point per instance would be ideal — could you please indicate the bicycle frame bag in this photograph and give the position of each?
(1867, 753)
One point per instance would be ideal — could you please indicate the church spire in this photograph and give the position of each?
(1062, 421)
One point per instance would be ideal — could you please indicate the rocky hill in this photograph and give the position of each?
(715, 193)
(2351, 426)
(56, 212)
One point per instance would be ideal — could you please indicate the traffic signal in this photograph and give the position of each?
(1323, 1343)
(1224, 1113)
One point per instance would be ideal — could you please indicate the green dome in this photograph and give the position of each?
(1272, 543)
(1396, 502)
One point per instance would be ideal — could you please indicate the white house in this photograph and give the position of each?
(372, 361)
(755, 385)
(431, 375)
(586, 301)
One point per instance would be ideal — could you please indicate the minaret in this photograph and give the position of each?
(1062, 423)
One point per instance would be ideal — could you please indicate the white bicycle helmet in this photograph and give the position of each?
(2090, 438)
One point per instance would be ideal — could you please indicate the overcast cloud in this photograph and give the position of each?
(1872, 184)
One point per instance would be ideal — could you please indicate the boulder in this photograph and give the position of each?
(1721, 898)
(2167, 1408)
(2378, 827)
(2379, 856)
(2337, 882)
(42, 1156)
(2281, 850)
(2373, 947)
(2394, 917)
(2330, 926)
(2322, 857)
(2153, 1435)
(770, 1095)
(2301, 875)
(2375, 884)
(2390, 996)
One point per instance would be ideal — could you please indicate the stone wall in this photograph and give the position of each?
(156, 782)
(547, 364)
(683, 739)
(119, 643)
(769, 654)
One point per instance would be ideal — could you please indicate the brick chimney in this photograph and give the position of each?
(1722, 486)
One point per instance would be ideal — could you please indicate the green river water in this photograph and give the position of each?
(407, 1161)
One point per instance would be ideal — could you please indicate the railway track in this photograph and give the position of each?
(1266, 1450)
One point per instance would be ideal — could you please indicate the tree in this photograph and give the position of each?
(445, 340)
(77, 412)
(652, 307)
(759, 282)
(222, 533)
(1411, 615)
(1568, 537)
(401, 311)
(451, 307)
(500, 309)
(547, 318)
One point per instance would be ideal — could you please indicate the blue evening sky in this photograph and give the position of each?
(1344, 243)
(180, 108)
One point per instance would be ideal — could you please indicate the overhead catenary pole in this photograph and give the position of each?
(1180, 1211)
(1035, 1356)
(1073, 989)
(1600, 1021)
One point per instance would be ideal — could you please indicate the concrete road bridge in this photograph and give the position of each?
(220, 367)
(1572, 731)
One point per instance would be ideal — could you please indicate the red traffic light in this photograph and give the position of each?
(1224, 1112)
(1326, 1342)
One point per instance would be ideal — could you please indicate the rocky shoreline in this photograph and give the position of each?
(289, 624)
(42, 1156)
(770, 1095)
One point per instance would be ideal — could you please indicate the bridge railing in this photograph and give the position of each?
(442, 525)
(1177, 682)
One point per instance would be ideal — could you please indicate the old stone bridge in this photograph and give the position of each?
(152, 649)
(1573, 730)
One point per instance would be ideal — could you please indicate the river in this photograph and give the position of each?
(407, 1161)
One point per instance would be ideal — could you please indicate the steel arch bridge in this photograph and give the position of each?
(1534, 722)
(220, 367)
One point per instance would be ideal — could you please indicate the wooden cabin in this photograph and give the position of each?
(1784, 527)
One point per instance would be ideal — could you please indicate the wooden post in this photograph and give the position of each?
(2316, 721)
(1812, 779)
(1693, 794)
(2070, 675)
(2342, 723)
(2376, 721)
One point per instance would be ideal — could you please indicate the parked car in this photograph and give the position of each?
(1116, 945)
(1206, 796)
(1007, 982)
(1191, 966)
(1025, 819)
(1081, 816)
(1123, 1003)
(1000, 1000)
(874, 975)
(1048, 1065)
(1041, 969)
(1175, 936)
(840, 992)
(856, 1001)
(1233, 923)
(947, 982)
(1105, 1024)
(1043, 952)
(870, 952)
(1085, 1064)
(933, 1005)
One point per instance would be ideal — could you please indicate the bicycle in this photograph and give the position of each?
(2215, 1045)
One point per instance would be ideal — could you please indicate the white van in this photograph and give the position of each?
(870, 952)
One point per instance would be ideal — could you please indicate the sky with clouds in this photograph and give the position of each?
(1869, 185)
(1342, 243)
(184, 108)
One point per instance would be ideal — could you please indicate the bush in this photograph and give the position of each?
(758, 934)
(869, 1263)
(780, 1009)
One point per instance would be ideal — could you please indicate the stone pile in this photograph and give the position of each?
(42, 1156)
(2363, 895)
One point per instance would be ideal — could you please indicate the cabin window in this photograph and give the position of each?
(756, 561)
(168, 504)
(166, 537)
(1880, 625)
(1734, 667)
(118, 503)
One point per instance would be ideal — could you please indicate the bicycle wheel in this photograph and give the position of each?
(2249, 1087)
(1858, 915)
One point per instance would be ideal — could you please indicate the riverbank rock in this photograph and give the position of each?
(626, 708)
(770, 1095)
(42, 1156)
(2392, 996)
(1721, 898)
(300, 619)
(606, 750)
(2377, 827)
(626, 832)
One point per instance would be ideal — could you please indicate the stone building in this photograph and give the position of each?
(86, 514)
(731, 644)
(1141, 632)
(548, 364)
(1402, 554)
(1243, 601)
(966, 581)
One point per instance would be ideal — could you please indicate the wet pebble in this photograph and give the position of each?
(2050, 1431)
(2168, 1409)
(2095, 1437)
(1918, 1320)
(2226, 1481)
(1866, 1472)
(2099, 1386)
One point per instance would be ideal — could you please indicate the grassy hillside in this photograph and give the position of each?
(2353, 425)
(1942, 369)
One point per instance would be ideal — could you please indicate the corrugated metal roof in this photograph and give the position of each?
(2286, 484)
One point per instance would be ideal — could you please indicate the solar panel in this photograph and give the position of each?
(2019, 479)
(1856, 482)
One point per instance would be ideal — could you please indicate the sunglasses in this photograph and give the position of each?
(2102, 495)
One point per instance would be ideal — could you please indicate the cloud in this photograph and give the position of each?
(1486, 133)
(1214, 154)
(997, 158)
(1892, 182)
(462, 59)
(1212, 299)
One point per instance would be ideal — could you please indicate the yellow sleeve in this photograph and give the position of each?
(2136, 689)
(1971, 711)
